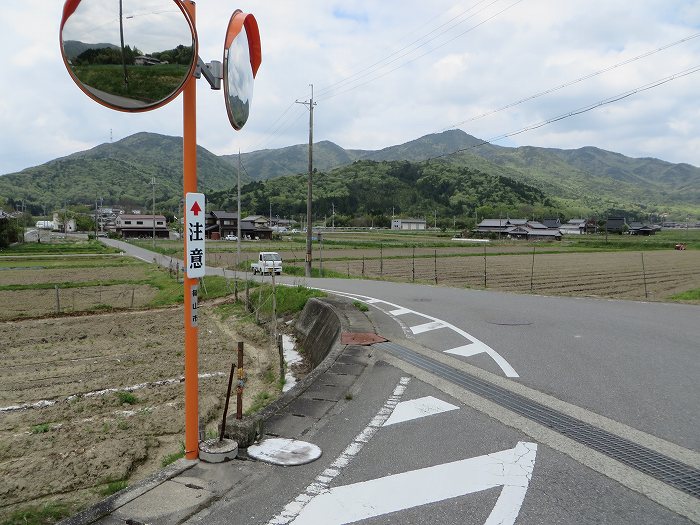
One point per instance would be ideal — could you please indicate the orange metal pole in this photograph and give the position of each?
(191, 332)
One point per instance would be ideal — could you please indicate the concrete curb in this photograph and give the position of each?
(108, 505)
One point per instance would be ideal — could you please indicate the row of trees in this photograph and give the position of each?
(113, 55)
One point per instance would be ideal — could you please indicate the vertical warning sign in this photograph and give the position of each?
(195, 224)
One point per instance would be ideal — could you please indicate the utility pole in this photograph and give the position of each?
(311, 105)
(153, 183)
(333, 219)
(238, 218)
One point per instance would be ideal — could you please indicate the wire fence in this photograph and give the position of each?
(63, 299)
(648, 275)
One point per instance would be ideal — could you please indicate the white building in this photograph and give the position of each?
(408, 224)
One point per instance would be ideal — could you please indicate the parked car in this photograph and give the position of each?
(230, 237)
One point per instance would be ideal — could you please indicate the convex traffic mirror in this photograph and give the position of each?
(242, 57)
(129, 55)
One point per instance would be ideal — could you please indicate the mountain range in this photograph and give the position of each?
(588, 178)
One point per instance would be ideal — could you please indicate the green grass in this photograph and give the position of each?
(57, 248)
(148, 84)
(172, 458)
(688, 295)
(362, 307)
(299, 271)
(260, 401)
(41, 428)
(39, 515)
(126, 398)
(113, 487)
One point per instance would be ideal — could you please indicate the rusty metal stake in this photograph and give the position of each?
(228, 395)
(239, 388)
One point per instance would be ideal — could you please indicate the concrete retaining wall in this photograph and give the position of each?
(319, 328)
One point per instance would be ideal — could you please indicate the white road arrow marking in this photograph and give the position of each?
(417, 408)
(511, 469)
(467, 350)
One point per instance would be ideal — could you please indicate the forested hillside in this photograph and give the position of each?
(368, 190)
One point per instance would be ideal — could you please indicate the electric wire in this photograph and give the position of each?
(584, 109)
(475, 26)
(365, 71)
(572, 82)
(279, 130)
(328, 88)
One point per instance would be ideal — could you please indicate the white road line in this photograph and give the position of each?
(401, 311)
(427, 327)
(511, 469)
(508, 370)
(418, 408)
(323, 480)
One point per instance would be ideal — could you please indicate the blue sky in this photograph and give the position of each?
(388, 72)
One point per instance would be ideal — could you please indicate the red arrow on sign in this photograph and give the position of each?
(195, 208)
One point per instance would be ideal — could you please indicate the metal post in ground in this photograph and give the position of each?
(436, 278)
(58, 300)
(484, 266)
(228, 396)
(413, 274)
(532, 270)
(241, 382)
(381, 260)
(644, 276)
(280, 350)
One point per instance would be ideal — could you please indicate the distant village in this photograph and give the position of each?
(223, 225)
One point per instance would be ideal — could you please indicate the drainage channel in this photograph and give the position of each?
(670, 471)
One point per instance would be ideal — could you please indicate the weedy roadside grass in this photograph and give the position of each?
(362, 307)
(689, 295)
(39, 515)
(172, 458)
(113, 487)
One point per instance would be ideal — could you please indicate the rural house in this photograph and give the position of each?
(616, 225)
(517, 229)
(129, 225)
(221, 223)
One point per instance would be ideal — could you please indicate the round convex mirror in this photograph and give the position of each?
(242, 57)
(129, 55)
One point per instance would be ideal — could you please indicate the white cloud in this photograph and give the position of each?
(533, 46)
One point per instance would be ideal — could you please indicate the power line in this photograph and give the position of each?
(572, 82)
(427, 52)
(578, 111)
(364, 71)
(277, 131)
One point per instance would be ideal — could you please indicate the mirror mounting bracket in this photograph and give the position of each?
(213, 72)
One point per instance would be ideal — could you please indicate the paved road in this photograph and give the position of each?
(630, 368)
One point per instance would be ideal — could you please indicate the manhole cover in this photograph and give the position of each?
(510, 322)
(360, 338)
(286, 452)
